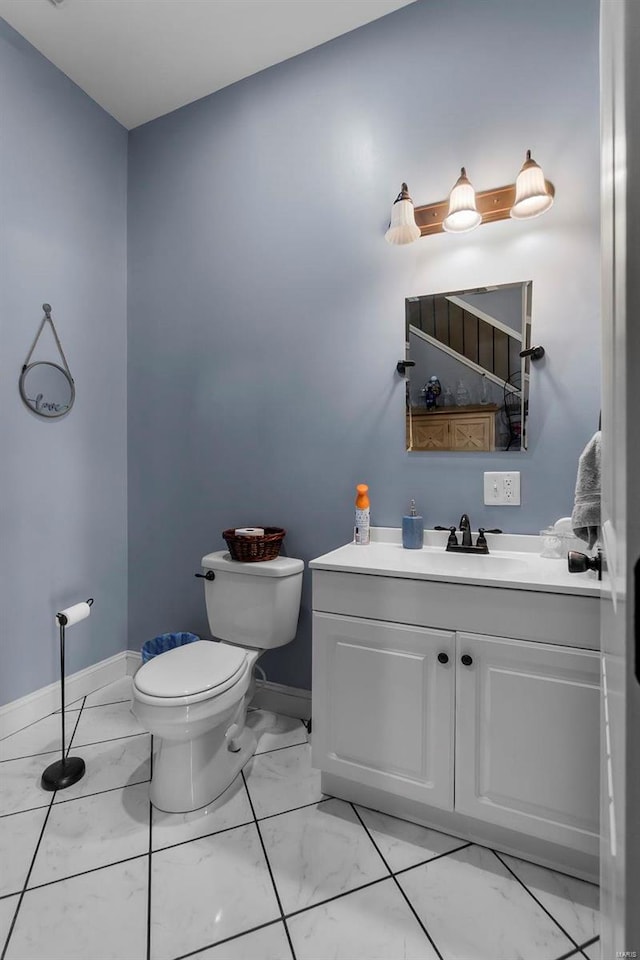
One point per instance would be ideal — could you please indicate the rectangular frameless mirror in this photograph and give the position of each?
(468, 390)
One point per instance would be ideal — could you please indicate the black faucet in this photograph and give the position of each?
(465, 529)
(467, 545)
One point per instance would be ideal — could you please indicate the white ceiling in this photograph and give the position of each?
(140, 59)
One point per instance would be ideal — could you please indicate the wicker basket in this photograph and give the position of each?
(255, 549)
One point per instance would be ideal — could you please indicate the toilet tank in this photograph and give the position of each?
(253, 604)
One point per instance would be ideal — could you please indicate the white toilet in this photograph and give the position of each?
(194, 699)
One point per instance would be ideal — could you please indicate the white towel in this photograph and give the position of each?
(586, 511)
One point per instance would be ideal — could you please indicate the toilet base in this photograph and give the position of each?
(191, 774)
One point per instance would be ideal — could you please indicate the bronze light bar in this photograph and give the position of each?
(493, 204)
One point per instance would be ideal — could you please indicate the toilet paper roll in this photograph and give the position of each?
(249, 532)
(74, 614)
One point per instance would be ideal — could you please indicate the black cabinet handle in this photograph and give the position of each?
(466, 659)
(443, 658)
(209, 575)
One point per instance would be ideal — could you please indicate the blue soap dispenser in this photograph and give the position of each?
(412, 529)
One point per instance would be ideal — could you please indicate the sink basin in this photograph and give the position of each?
(470, 563)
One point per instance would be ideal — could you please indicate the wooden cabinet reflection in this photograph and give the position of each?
(471, 428)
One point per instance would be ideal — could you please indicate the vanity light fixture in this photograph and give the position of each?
(463, 214)
(530, 196)
(533, 195)
(403, 227)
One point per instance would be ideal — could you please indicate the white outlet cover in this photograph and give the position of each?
(502, 489)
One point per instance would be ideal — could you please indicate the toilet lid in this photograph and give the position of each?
(190, 669)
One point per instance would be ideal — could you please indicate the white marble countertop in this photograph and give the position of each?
(513, 563)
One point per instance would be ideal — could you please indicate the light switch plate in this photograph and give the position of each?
(502, 489)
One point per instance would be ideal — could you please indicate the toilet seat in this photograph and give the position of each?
(197, 671)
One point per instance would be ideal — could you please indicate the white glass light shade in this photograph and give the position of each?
(463, 214)
(403, 227)
(532, 193)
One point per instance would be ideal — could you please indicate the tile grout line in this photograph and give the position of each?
(108, 703)
(94, 743)
(270, 816)
(533, 896)
(438, 856)
(26, 880)
(588, 943)
(336, 896)
(579, 953)
(149, 883)
(83, 796)
(392, 816)
(71, 708)
(149, 871)
(26, 809)
(54, 713)
(221, 943)
(75, 727)
(82, 873)
(273, 881)
(562, 873)
(397, 883)
(97, 793)
(27, 756)
(263, 753)
(204, 836)
(571, 955)
(44, 753)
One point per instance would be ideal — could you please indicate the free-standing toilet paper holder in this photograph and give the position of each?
(68, 770)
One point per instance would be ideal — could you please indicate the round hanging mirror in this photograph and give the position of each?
(47, 389)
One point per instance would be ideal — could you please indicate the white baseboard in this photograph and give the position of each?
(289, 701)
(20, 713)
(133, 660)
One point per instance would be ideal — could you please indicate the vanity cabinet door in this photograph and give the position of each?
(383, 706)
(527, 738)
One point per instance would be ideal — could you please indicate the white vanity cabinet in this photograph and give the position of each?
(474, 710)
(527, 737)
(384, 705)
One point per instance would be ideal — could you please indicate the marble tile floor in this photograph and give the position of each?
(272, 871)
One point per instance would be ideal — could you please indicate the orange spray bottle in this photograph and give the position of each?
(361, 532)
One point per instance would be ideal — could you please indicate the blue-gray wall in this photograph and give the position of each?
(266, 313)
(63, 521)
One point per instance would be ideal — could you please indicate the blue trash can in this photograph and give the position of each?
(167, 641)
